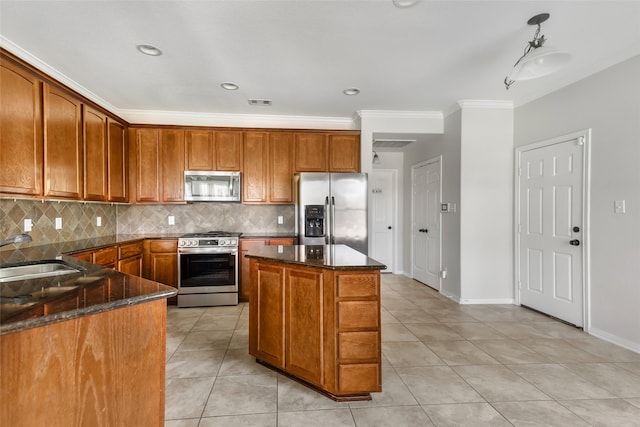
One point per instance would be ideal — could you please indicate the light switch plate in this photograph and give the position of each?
(171, 220)
(99, 221)
(28, 225)
(58, 223)
(619, 206)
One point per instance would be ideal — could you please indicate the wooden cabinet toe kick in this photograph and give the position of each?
(356, 397)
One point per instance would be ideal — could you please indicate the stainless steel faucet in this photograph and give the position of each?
(20, 238)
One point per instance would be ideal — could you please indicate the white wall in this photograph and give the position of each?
(486, 202)
(447, 146)
(609, 104)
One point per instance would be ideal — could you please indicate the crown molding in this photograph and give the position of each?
(184, 118)
(34, 61)
(392, 114)
(481, 103)
(236, 120)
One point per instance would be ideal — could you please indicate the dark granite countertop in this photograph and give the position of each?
(269, 236)
(26, 304)
(330, 257)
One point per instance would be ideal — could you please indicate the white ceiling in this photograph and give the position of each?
(301, 54)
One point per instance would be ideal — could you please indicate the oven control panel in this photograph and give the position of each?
(205, 243)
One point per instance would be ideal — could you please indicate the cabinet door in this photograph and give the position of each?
(280, 167)
(255, 166)
(344, 153)
(164, 268)
(199, 145)
(266, 306)
(228, 151)
(62, 144)
(311, 150)
(245, 244)
(147, 165)
(95, 154)
(172, 165)
(131, 265)
(21, 143)
(304, 340)
(117, 162)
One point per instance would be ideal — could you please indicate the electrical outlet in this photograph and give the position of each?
(171, 220)
(58, 223)
(280, 219)
(28, 225)
(619, 206)
(99, 221)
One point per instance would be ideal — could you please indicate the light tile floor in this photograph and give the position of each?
(444, 364)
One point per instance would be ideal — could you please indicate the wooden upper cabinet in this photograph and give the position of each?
(21, 143)
(213, 150)
(255, 167)
(117, 162)
(199, 146)
(95, 154)
(344, 153)
(228, 150)
(281, 167)
(62, 144)
(148, 169)
(311, 150)
(172, 165)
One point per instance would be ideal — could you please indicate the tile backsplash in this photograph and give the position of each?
(78, 220)
(195, 217)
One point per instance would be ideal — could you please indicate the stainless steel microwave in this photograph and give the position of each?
(202, 186)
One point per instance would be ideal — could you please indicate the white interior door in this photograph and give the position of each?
(425, 228)
(550, 229)
(383, 220)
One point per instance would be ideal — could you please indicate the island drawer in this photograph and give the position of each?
(359, 378)
(357, 285)
(358, 346)
(358, 314)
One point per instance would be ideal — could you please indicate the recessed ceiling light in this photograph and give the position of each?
(402, 4)
(147, 49)
(229, 86)
(351, 91)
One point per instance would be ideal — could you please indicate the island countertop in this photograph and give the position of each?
(330, 257)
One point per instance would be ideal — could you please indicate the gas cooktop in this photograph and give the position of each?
(207, 234)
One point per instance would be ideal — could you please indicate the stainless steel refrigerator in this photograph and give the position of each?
(331, 208)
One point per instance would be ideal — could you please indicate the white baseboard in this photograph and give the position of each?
(614, 339)
(508, 301)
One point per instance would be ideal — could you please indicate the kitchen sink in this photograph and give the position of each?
(38, 269)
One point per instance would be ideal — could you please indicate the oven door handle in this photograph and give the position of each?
(190, 251)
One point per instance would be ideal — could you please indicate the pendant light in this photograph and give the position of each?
(538, 60)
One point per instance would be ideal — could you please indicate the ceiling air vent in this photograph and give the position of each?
(261, 102)
(392, 143)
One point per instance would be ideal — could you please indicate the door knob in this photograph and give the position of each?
(389, 227)
(574, 242)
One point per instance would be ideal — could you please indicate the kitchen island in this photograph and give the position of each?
(83, 348)
(314, 316)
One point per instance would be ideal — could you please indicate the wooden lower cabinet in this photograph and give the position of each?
(104, 369)
(319, 325)
(130, 258)
(161, 262)
(245, 244)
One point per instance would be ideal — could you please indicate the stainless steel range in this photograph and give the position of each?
(208, 269)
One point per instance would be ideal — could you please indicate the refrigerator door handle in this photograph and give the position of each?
(333, 220)
(327, 220)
